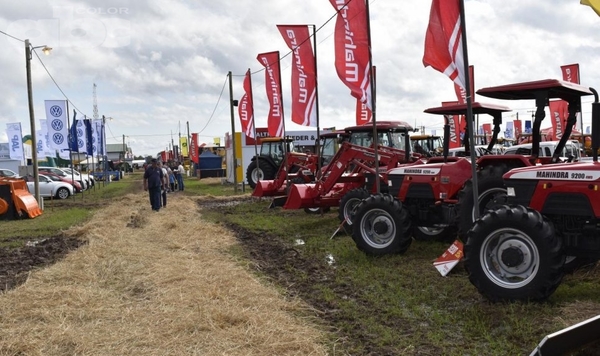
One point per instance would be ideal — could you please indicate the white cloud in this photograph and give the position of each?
(161, 63)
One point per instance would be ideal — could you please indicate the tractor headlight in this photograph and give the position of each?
(510, 191)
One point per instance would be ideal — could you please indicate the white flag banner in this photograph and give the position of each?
(27, 151)
(81, 137)
(15, 140)
(48, 151)
(41, 153)
(58, 128)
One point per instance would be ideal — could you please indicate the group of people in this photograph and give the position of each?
(161, 179)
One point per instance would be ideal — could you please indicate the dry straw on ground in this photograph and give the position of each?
(152, 283)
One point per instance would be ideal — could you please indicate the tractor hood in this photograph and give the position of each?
(580, 171)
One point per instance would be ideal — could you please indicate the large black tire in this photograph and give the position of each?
(62, 193)
(348, 204)
(381, 226)
(513, 253)
(254, 172)
(491, 192)
(443, 234)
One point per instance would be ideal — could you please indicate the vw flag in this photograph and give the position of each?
(15, 140)
(58, 130)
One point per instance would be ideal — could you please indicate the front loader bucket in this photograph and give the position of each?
(20, 198)
(302, 196)
(267, 188)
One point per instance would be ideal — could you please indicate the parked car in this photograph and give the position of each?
(4, 172)
(57, 178)
(49, 188)
(81, 176)
(62, 173)
(570, 152)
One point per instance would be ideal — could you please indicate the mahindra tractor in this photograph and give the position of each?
(269, 159)
(551, 220)
(355, 168)
(435, 198)
(300, 167)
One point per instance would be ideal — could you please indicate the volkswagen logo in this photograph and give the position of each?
(57, 125)
(79, 132)
(80, 143)
(56, 111)
(58, 138)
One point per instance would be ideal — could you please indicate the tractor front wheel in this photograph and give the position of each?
(381, 226)
(348, 204)
(514, 253)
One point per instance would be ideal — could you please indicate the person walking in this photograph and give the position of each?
(165, 181)
(181, 171)
(153, 183)
(171, 179)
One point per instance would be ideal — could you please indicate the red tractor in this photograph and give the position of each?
(551, 221)
(354, 165)
(435, 198)
(300, 167)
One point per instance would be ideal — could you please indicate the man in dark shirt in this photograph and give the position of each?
(153, 183)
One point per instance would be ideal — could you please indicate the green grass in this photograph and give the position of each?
(395, 304)
(401, 302)
(59, 215)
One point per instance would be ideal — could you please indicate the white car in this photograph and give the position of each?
(570, 152)
(89, 180)
(61, 172)
(8, 173)
(50, 188)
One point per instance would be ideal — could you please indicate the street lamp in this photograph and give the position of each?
(28, 50)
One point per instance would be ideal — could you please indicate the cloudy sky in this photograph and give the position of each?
(161, 64)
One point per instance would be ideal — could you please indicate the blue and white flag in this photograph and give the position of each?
(96, 136)
(81, 137)
(15, 141)
(89, 137)
(510, 130)
(58, 129)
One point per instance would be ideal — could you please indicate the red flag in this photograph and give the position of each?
(570, 73)
(558, 114)
(363, 113)
(304, 74)
(443, 40)
(194, 149)
(461, 93)
(487, 131)
(275, 121)
(246, 108)
(455, 123)
(518, 126)
(352, 48)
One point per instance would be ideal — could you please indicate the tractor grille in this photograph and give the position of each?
(568, 204)
(395, 182)
(523, 191)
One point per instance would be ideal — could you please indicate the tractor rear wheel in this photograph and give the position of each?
(491, 195)
(348, 204)
(514, 253)
(381, 226)
(259, 171)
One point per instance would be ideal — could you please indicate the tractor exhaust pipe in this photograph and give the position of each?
(595, 125)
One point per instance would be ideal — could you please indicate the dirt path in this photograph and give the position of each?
(153, 283)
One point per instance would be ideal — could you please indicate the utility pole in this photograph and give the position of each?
(234, 163)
